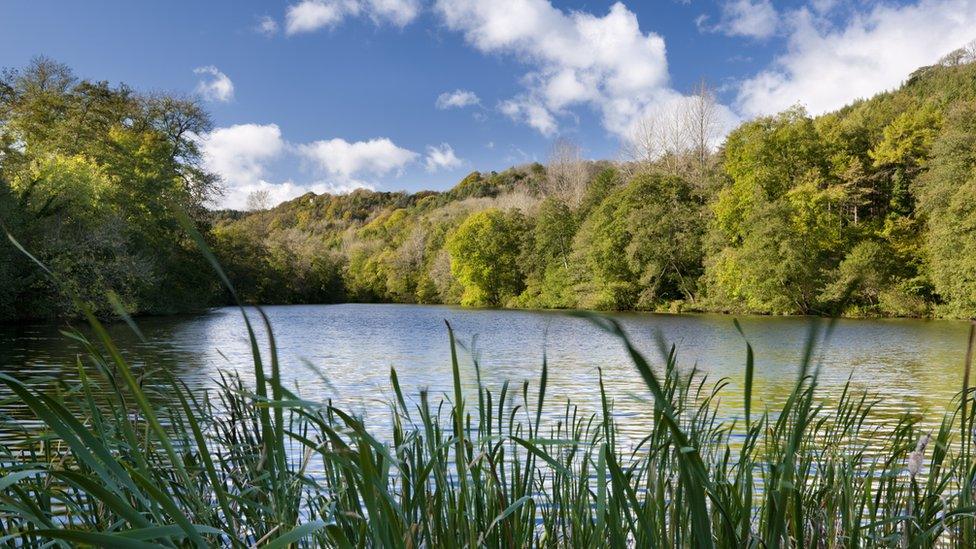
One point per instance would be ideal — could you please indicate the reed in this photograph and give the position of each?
(247, 465)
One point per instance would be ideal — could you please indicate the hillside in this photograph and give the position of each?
(870, 210)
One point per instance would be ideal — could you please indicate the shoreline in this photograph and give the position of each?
(695, 312)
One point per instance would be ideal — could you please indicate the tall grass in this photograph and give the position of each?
(109, 463)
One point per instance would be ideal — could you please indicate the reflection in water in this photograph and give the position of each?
(912, 365)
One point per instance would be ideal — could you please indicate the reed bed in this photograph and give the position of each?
(257, 465)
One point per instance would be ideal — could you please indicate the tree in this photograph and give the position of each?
(484, 257)
(945, 195)
(642, 246)
(258, 200)
(545, 257)
(100, 175)
(763, 160)
(960, 56)
(666, 247)
(780, 265)
(704, 128)
(862, 277)
(679, 138)
(903, 153)
(871, 280)
(566, 173)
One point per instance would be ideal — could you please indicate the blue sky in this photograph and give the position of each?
(327, 95)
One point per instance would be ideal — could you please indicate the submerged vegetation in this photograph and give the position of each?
(863, 211)
(101, 463)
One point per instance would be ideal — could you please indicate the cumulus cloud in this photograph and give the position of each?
(240, 153)
(312, 15)
(348, 161)
(574, 58)
(243, 154)
(457, 99)
(532, 112)
(751, 18)
(396, 12)
(441, 157)
(827, 65)
(267, 26)
(214, 85)
(281, 192)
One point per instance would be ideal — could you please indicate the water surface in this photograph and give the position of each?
(913, 365)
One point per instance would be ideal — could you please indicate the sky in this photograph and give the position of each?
(331, 95)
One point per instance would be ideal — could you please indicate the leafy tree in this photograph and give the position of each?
(642, 246)
(946, 198)
(599, 189)
(866, 210)
(484, 257)
(99, 174)
(546, 257)
(763, 160)
(903, 152)
(871, 281)
(780, 265)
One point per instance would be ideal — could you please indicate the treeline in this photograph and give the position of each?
(92, 178)
(870, 210)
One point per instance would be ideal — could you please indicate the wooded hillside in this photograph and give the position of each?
(870, 210)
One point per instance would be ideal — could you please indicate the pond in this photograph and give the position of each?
(912, 365)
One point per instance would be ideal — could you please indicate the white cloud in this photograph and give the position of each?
(240, 154)
(827, 66)
(214, 85)
(312, 15)
(267, 26)
(752, 18)
(575, 58)
(347, 161)
(281, 192)
(396, 12)
(529, 111)
(823, 6)
(442, 157)
(457, 99)
(702, 23)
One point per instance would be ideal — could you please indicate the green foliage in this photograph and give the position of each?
(776, 224)
(287, 268)
(862, 239)
(779, 266)
(946, 198)
(599, 188)
(484, 257)
(641, 246)
(903, 151)
(763, 160)
(546, 257)
(94, 175)
(863, 211)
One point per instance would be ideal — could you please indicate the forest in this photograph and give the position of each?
(866, 211)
